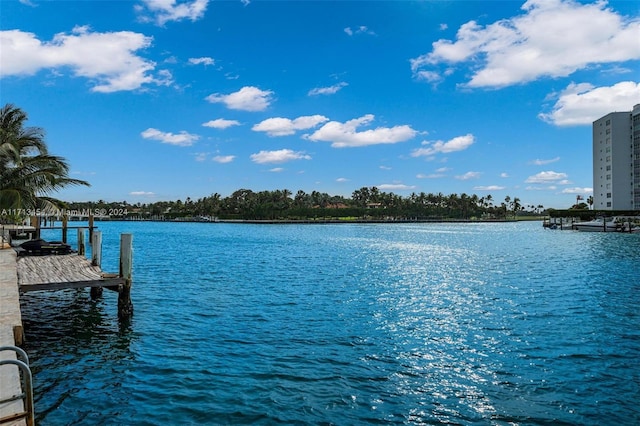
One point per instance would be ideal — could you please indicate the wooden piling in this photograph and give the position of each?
(96, 248)
(65, 219)
(125, 307)
(90, 229)
(96, 260)
(35, 223)
(81, 247)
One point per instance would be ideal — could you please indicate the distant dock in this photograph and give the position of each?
(24, 273)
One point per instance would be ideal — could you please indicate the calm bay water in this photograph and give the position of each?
(347, 324)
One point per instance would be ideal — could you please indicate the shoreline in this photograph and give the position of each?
(359, 221)
(322, 221)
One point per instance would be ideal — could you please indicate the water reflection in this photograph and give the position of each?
(403, 324)
(79, 345)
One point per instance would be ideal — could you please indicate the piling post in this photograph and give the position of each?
(64, 228)
(96, 259)
(125, 307)
(81, 247)
(96, 248)
(90, 229)
(35, 223)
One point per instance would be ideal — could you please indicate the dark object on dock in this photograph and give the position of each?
(42, 247)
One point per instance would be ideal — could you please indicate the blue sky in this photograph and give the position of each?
(164, 100)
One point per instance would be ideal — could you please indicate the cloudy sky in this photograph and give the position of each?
(168, 99)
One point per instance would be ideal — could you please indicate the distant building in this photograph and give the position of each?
(616, 161)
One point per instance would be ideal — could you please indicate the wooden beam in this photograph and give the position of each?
(64, 228)
(96, 248)
(109, 282)
(81, 246)
(125, 306)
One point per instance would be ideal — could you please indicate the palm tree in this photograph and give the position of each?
(516, 206)
(28, 173)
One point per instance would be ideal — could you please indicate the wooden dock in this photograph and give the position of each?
(20, 274)
(62, 271)
(11, 334)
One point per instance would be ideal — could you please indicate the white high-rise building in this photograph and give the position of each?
(616, 161)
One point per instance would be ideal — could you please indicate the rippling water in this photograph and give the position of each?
(348, 324)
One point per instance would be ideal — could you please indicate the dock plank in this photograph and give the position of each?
(10, 321)
(56, 269)
(60, 271)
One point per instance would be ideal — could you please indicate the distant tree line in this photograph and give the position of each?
(29, 175)
(365, 203)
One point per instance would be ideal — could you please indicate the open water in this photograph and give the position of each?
(466, 324)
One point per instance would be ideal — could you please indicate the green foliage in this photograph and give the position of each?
(28, 173)
(365, 204)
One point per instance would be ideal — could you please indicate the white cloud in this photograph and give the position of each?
(345, 134)
(248, 98)
(141, 193)
(577, 190)
(552, 38)
(276, 170)
(223, 159)
(546, 177)
(327, 90)
(459, 143)
(469, 175)
(395, 187)
(582, 104)
(221, 123)
(279, 126)
(504, 175)
(489, 188)
(181, 139)
(539, 188)
(385, 168)
(429, 76)
(358, 30)
(342, 180)
(431, 176)
(107, 59)
(201, 156)
(204, 61)
(538, 162)
(163, 11)
(279, 156)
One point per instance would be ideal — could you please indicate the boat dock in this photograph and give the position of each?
(625, 224)
(20, 273)
(11, 334)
